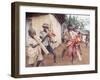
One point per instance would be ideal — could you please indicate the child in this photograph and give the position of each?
(45, 36)
(33, 50)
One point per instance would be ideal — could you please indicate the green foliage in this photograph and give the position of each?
(76, 21)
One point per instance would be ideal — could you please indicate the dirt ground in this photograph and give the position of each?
(66, 60)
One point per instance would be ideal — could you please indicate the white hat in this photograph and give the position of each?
(45, 25)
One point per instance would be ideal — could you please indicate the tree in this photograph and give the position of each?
(77, 21)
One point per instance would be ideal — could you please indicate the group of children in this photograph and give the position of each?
(37, 45)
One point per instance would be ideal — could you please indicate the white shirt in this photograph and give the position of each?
(46, 40)
(73, 34)
(32, 41)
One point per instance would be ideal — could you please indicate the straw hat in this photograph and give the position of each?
(45, 25)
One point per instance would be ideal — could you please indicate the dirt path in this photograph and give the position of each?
(66, 60)
(48, 59)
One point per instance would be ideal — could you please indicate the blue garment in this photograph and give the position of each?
(50, 49)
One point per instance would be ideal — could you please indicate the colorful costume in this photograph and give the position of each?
(72, 45)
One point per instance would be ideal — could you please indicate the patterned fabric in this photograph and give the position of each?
(72, 43)
(46, 40)
(33, 54)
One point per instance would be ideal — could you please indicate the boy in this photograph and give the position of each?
(34, 49)
(45, 36)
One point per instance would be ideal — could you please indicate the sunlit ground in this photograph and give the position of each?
(66, 60)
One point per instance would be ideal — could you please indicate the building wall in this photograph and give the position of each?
(54, 25)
